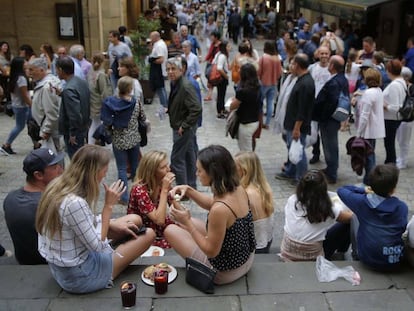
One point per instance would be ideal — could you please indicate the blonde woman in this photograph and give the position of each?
(73, 238)
(100, 87)
(253, 179)
(149, 194)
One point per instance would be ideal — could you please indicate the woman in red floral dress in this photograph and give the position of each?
(149, 194)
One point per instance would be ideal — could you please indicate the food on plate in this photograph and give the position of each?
(156, 252)
(177, 197)
(149, 271)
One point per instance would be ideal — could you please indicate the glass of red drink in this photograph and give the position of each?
(128, 294)
(161, 281)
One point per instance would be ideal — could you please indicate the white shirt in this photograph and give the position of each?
(299, 228)
(394, 96)
(320, 76)
(371, 114)
(160, 49)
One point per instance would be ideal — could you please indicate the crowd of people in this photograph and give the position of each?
(307, 69)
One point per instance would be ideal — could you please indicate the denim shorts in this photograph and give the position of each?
(95, 273)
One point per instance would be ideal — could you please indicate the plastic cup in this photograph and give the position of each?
(128, 294)
(161, 281)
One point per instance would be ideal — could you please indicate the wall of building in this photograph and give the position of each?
(35, 22)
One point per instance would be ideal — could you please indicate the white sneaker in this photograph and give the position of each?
(3, 152)
(401, 166)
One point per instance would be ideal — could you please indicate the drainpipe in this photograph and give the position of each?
(100, 26)
(80, 23)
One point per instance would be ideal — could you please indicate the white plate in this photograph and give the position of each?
(171, 276)
(151, 249)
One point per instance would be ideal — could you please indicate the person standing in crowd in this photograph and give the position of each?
(149, 194)
(128, 67)
(213, 50)
(408, 59)
(184, 111)
(405, 129)
(270, 71)
(46, 104)
(77, 52)
(47, 52)
(248, 102)
(175, 48)
(116, 51)
(26, 51)
(120, 114)
(209, 28)
(222, 61)
(394, 96)
(227, 241)
(371, 116)
(124, 37)
(310, 217)
(21, 102)
(241, 58)
(41, 167)
(74, 109)
(100, 87)
(193, 65)
(74, 239)
(298, 116)
(253, 179)
(158, 73)
(320, 23)
(320, 74)
(304, 35)
(234, 25)
(195, 46)
(325, 105)
(368, 49)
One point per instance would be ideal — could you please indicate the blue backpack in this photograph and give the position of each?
(343, 108)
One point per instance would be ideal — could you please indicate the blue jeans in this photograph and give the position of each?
(21, 115)
(329, 137)
(80, 141)
(162, 95)
(370, 161)
(122, 157)
(298, 170)
(183, 157)
(269, 93)
(90, 276)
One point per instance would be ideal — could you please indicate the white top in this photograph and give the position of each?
(263, 231)
(299, 228)
(394, 96)
(371, 114)
(320, 75)
(79, 235)
(221, 60)
(353, 75)
(17, 96)
(160, 49)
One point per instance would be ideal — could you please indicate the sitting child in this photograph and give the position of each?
(308, 215)
(380, 219)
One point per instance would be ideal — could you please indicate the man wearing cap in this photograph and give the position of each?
(46, 103)
(20, 206)
(74, 110)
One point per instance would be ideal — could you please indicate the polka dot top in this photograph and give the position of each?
(239, 242)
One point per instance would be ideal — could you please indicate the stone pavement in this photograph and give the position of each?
(270, 285)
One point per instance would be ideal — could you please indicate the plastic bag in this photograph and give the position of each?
(326, 271)
(295, 151)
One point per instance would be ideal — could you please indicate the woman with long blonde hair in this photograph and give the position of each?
(149, 194)
(253, 180)
(73, 238)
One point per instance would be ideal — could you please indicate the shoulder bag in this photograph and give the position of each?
(232, 124)
(200, 276)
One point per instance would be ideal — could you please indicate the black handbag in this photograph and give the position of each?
(199, 275)
(8, 109)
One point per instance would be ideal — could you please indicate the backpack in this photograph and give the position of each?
(406, 112)
(343, 108)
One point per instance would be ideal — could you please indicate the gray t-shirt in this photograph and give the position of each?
(16, 96)
(20, 208)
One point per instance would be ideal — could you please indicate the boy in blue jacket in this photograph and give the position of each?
(379, 219)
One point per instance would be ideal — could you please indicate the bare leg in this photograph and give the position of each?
(129, 251)
(180, 240)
